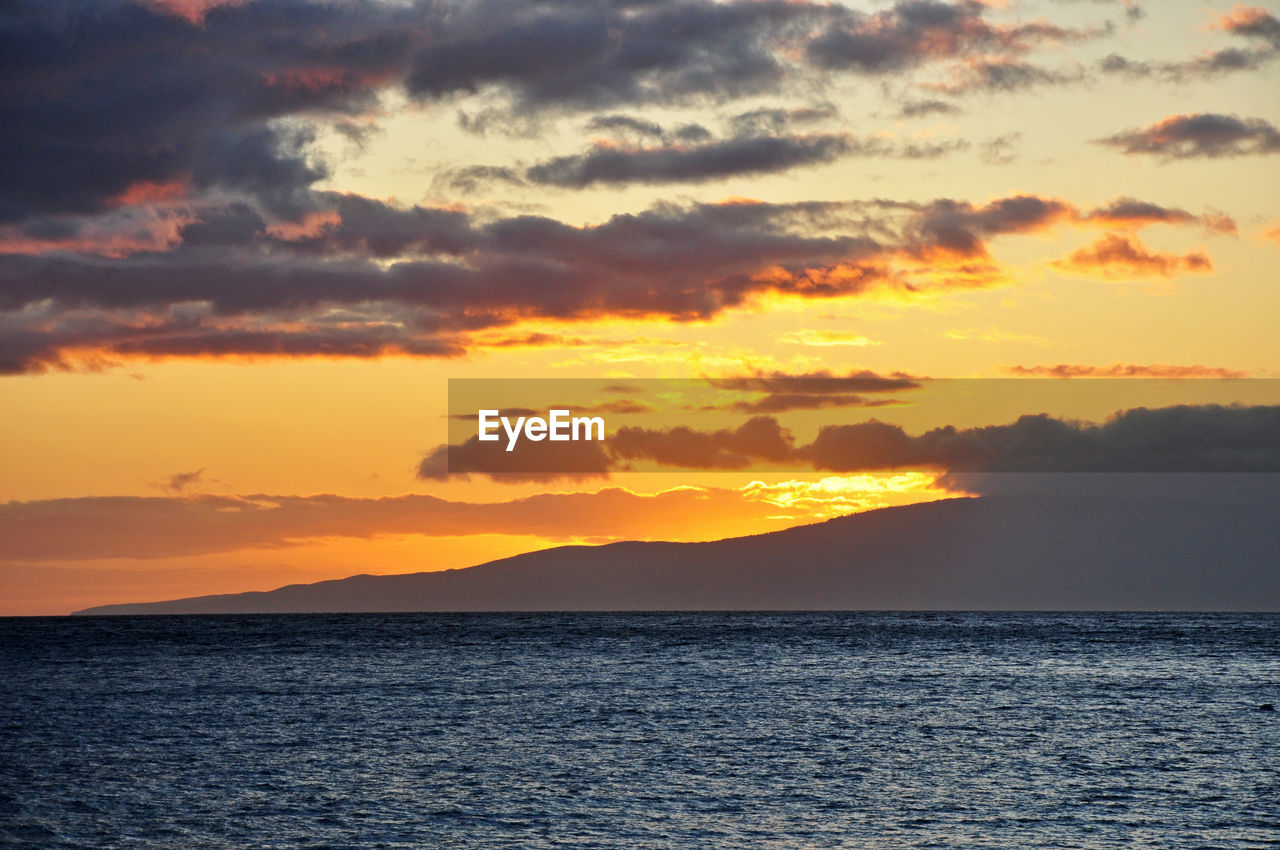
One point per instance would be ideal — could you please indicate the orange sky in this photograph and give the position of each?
(231, 304)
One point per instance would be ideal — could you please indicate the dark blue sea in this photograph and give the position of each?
(641, 730)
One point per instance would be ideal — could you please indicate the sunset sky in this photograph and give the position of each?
(244, 246)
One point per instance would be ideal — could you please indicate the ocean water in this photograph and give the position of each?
(641, 730)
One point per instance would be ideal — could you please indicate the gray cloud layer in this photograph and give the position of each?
(158, 196)
(759, 142)
(99, 96)
(1204, 134)
(370, 278)
(1182, 438)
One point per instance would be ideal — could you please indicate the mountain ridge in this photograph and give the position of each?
(989, 553)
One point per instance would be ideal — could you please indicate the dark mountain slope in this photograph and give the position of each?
(1023, 553)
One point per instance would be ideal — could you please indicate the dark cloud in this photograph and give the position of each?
(627, 124)
(629, 127)
(780, 402)
(1181, 438)
(689, 164)
(999, 150)
(471, 178)
(775, 120)
(354, 225)
(1199, 135)
(100, 98)
(115, 103)
(1003, 74)
(726, 158)
(924, 108)
(527, 461)
(1133, 212)
(603, 54)
(604, 263)
(960, 228)
(319, 290)
(914, 32)
(1207, 438)
(758, 142)
(820, 382)
(41, 339)
(1214, 63)
(877, 147)
(357, 277)
(1250, 23)
(1116, 64)
(1253, 22)
(234, 224)
(759, 440)
(778, 392)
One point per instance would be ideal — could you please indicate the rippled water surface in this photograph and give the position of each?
(603, 730)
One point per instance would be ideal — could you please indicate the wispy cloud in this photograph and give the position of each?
(827, 339)
(1250, 25)
(1200, 135)
(180, 481)
(1126, 370)
(641, 151)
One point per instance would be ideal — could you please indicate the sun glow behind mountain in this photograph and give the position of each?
(244, 245)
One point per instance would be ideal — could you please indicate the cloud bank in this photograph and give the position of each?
(1182, 438)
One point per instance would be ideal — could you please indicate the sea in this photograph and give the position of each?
(686, 730)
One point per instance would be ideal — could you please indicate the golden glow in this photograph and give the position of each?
(839, 495)
(1073, 296)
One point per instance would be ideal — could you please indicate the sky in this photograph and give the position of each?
(246, 245)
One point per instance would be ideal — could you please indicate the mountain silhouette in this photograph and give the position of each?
(992, 553)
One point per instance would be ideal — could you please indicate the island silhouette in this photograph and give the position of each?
(1003, 552)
